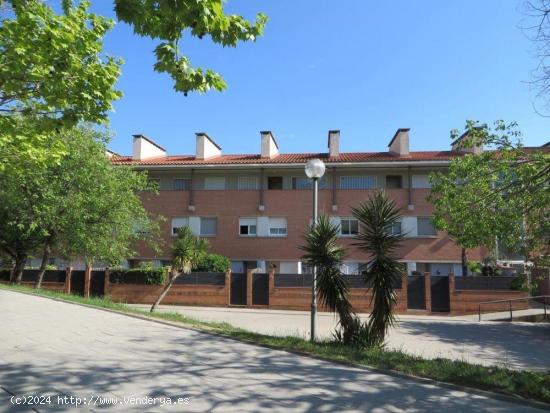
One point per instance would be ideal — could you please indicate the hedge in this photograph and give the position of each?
(149, 276)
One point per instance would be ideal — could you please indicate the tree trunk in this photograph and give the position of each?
(165, 291)
(464, 259)
(43, 264)
(17, 274)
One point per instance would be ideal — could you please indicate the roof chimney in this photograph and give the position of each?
(462, 145)
(399, 145)
(145, 148)
(206, 147)
(333, 142)
(270, 149)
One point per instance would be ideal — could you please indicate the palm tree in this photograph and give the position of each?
(323, 252)
(378, 217)
(187, 250)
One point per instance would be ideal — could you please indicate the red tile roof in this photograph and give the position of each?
(288, 158)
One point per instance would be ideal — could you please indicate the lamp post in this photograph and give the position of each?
(315, 169)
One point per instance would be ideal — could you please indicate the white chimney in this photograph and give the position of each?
(145, 148)
(270, 149)
(399, 145)
(333, 142)
(461, 145)
(206, 147)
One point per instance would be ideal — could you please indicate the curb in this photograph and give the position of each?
(486, 393)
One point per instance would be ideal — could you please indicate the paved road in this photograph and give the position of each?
(513, 345)
(64, 349)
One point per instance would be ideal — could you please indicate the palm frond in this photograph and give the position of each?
(376, 216)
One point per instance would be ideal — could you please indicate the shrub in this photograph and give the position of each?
(213, 263)
(148, 276)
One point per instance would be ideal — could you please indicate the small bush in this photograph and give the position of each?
(213, 263)
(148, 276)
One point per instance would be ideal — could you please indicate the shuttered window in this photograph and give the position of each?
(421, 181)
(178, 222)
(303, 182)
(425, 227)
(247, 183)
(358, 182)
(248, 226)
(209, 226)
(277, 227)
(182, 184)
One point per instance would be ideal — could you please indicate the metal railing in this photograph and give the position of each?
(546, 298)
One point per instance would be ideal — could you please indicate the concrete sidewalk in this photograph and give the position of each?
(51, 347)
(513, 345)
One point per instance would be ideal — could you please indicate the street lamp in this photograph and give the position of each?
(315, 169)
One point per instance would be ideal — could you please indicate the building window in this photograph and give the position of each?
(209, 226)
(274, 182)
(349, 227)
(247, 183)
(394, 181)
(394, 229)
(303, 182)
(214, 182)
(425, 227)
(357, 182)
(277, 227)
(182, 184)
(248, 226)
(421, 182)
(178, 222)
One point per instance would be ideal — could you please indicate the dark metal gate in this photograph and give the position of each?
(97, 283)
(77, 283)
(416, 294)
(440, 293)
(260, 289)
(238, 289)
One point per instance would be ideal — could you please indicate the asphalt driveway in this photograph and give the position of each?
(59, 349)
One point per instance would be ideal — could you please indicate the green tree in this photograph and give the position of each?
(167, 21)
(376, 217)
(187, 251)
(213, 263)
(52, 75)
(322, 251)
(500, 193)
(81, 207)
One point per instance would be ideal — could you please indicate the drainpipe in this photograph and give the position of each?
(334, 204)
(409, 179)
(191, 206)
(261, 205)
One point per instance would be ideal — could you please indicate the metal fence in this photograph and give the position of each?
(305, 280)
(484, 283)
(202, 278)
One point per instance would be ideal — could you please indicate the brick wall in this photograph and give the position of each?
(467, 301)
(179, 294)
(299, 298)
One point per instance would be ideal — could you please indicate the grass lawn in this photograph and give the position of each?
(530, 385)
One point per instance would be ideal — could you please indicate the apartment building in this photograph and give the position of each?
(255, 208)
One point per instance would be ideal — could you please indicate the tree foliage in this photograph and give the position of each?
(81, 207)
(52, 75)
(382, 270)
(502, 192)
(167, 21)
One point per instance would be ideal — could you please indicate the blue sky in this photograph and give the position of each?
(364, 67)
